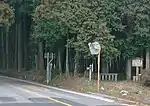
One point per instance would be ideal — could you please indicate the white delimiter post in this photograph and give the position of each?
(137, 73)
(47, 68)
(98, 79)
(90, 72)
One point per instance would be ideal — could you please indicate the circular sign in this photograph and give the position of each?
(94, 48)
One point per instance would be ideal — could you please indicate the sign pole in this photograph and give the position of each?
(98, 79)
(95, 49)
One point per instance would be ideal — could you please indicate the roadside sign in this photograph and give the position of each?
(138, 62)
(94, 48)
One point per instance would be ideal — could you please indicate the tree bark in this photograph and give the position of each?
(59, 61)
(19, 48)
(41, 60)
(36, 63)
(7, 48)
(76, 68)
(129, 30)
(25, 46)
(16, 48)
(105, 67)
(147, 59)
(67, 61)
(128, 69)
(3, 50)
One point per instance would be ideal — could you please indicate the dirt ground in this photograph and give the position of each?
(126, 90)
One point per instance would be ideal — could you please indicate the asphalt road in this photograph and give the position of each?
(18, 93)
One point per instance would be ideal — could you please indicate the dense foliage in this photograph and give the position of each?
(83, 21)
(6, 14)
(121, 28)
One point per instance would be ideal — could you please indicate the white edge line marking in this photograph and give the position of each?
(73, 92)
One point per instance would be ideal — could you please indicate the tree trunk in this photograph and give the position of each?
(130, 20)
(59, 61)
(147, 59)
(19, 48)
(16, 48)
(25, 46)
(41, 60)
(3, 50)
(128, 69)
(67, 61)
(76, 68)
(36, 63)
(105, 68)
(7, 48)
(11, 47)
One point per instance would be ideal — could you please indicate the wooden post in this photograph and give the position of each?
(98, 79)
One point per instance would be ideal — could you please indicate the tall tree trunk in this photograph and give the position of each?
(76, 67)
(104, 67)
(41, 60)
(67, 61)
(7, 48)
(19, 48)
(36, 63)
(25, 46)
(59, 61)
(130, 20)
(3, 50)
(147, 59)
(16, 48)
(11, 47)
(128, 69)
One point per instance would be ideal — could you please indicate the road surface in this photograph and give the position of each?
(18, 93)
